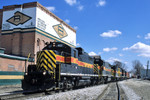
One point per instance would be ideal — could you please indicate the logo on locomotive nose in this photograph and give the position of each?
(18, 18)
(60, 30)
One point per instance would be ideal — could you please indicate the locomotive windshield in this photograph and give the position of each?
(60, 48)
(54, 46)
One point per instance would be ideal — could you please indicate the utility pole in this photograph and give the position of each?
(147, 68)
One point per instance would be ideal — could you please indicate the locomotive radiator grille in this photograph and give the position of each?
(46, 61)
(97, 69)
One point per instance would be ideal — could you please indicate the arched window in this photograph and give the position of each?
(38, 44)
(43, 43)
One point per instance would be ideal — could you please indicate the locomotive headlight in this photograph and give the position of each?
(26, 73)
(44, 73)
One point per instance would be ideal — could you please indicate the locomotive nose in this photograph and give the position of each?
(33, 81)
(46, 61)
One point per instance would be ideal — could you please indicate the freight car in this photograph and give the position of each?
(61, 66)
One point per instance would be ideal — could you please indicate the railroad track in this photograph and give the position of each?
(112, 92)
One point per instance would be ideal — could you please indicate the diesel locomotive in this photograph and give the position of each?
(61, 66)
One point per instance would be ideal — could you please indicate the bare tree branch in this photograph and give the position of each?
(120, 64)
(137, 66)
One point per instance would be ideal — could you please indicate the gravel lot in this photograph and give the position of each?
(10, 88)
(90, 93)
(136, 89)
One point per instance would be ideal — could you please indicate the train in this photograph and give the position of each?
(63, 67)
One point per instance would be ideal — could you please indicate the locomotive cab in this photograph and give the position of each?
(62, 49)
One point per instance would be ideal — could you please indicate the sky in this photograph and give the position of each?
(115, 29)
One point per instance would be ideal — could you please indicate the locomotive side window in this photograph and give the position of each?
(97, 60)
(60, 45)
(54, 44)
(49, 46)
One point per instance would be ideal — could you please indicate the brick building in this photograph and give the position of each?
(25, 29)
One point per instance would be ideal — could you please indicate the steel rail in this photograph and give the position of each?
(118, 90)
(103, 93)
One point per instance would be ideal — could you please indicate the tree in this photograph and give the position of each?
(124, 66)
(120, 64)
(137, 66)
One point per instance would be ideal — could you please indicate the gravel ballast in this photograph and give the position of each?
(90, 93)
(130, 94)
(135, 89)
(6, 89)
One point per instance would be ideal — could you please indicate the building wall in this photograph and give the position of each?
(47, 23)
(6, 42)
(18, 43)
(143, 73)
(11, 65)
(40, 42)
(28, 44)
(1, 14)
(12, 69)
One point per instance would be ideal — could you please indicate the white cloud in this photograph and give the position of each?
(112, 59)
(126, 48)
(100, 53)
(101, 3)
(111, 33)
(120, 55)
(71, 2)
(92, 53)
(75, 27)
(110, 49)
(76, 3)
(140, 48)
(67, 21)
(126, 62)
(138, 36)
(78, 45)
(50, 8)
(147, 36)
(80, 7)
(145, 55)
